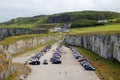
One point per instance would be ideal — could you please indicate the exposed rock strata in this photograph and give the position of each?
(107, 46)
(6, 32)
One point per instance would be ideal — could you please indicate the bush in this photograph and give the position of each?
(85, 23)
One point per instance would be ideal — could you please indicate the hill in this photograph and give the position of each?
(90, 15)
(55, 20)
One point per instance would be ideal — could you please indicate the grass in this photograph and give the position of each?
(105, 69)
(17, 25)
(32, 25)
(13, 76)
(97, 29)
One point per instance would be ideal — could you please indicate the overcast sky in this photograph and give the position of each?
(23, 8)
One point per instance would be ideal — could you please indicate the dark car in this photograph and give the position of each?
(77, 56)
(47, 48)
(89, 68)
(54, 58)
(45, 62)
(37, 56)
(57, 61)
(86, 64)
(83, 62)
(34, 62)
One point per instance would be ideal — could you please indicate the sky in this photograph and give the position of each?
(10, 9)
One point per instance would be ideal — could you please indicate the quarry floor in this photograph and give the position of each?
(70, 69)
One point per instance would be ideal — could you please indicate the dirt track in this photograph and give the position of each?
(70, 68)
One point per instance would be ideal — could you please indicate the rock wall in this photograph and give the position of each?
(21, 45)
(6, 32)
(59, 19)
(18, 47)
(107, 46)
(6, 66)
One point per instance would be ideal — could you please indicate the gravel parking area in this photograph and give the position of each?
(70, 69)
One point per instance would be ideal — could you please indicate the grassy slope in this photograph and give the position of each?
(97, 29)
(106, 69)
(24, 22)
(32, 25)
(30, 22)
(17, 25)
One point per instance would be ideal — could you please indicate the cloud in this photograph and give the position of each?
(17, 8)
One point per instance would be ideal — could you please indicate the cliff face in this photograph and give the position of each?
(6, 66)
(18, 47)
(6, 32)
(21, 45)
(107, 46)
(59, 19)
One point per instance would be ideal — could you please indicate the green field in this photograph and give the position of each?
(105, 69)
(97, 29)
(17, 25)
(32, 25)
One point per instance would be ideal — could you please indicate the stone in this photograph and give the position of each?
(107, 46)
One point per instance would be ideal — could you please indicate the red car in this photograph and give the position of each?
(82, 59)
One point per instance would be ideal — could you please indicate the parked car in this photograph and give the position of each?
(37, 56)
(82, 59)
(77, 56)
(82, 62)
(89, 68)
(56, 61)
(57, 54)
(34, 62)
(86, 64)
(45, 61)
(54, 58)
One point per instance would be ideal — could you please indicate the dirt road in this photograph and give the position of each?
(70, 69)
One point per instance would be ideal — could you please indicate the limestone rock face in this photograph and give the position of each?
(107, 46)
(21, 45)
(6, 32)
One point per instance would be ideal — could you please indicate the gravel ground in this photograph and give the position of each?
(70, 69)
